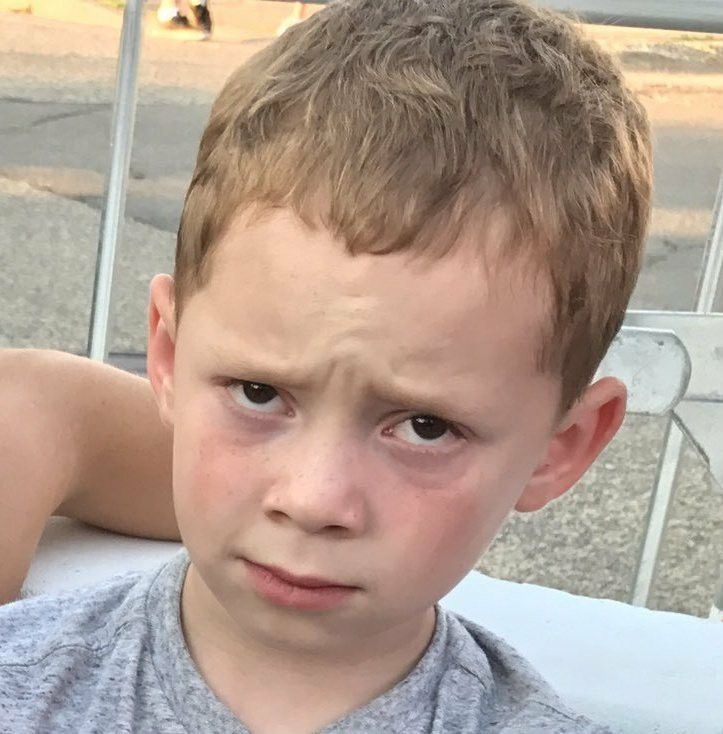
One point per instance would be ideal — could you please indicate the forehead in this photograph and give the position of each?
(295, 293)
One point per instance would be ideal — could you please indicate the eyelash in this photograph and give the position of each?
(424, 448)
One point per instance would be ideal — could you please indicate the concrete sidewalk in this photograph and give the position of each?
(234, 21)
(67, 11)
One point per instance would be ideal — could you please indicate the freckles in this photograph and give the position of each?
(460, 520)
(225, 470)
(463, 522)
(213, 471)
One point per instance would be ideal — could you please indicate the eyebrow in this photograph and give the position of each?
(288, 375)
(426, 402)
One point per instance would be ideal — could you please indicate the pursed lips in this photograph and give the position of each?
(305, 582)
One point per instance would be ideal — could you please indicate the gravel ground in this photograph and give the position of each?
(47, 264)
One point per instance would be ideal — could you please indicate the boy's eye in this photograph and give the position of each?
(256, 396)
(425, 430)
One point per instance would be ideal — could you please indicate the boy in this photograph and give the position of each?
(411, 235)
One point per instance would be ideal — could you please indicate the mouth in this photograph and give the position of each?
(283, 588)
(305, 582)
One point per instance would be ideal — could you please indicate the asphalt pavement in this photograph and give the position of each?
(56, 91)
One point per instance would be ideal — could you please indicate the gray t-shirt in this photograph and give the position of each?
(112, 658)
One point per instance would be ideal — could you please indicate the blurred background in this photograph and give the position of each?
(57, 75)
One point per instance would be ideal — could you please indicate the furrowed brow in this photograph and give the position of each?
(245, 365)
(426, 401)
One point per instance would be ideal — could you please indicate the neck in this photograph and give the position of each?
(263, 682)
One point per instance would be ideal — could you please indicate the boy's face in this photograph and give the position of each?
(369, 420)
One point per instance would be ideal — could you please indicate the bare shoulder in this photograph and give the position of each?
(80, 439)
(37, 454)
(53, 406)
(33, 396)
(46, 370)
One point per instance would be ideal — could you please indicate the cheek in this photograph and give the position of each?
(447, 529)
(456, 525)
(214, 473)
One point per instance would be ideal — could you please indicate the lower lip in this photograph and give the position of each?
(285, 594)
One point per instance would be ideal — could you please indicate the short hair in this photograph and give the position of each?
(398, 123)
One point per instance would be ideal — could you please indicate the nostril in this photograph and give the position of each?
(277, 515)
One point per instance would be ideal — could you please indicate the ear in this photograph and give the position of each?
(162, 344)
(582, 434)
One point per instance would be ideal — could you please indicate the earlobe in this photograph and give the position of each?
(162, 344)
(582, 434)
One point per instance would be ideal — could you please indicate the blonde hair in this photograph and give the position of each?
(398, 123)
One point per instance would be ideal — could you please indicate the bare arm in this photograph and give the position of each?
(78, 439)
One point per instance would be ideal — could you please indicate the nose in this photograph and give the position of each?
(319, 489)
